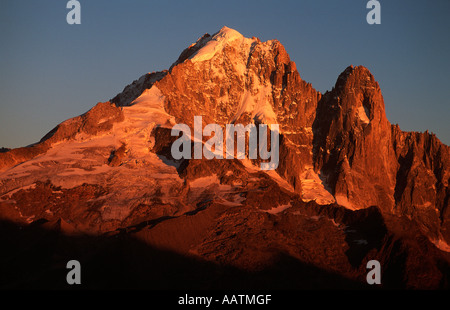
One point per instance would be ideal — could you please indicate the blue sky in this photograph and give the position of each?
(51, 71)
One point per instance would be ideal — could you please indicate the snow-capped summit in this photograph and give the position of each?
(217, 42)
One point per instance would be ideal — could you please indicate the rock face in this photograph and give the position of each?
(353, 146)
(369, 162)
(349, 187)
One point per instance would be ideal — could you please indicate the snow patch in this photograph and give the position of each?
(278, 209)
(204, 182)
(222, 193)
(441, 245)
(363, 114)
(314, 189)
(343, 201)
(247, 163)
(258, 105)
(9, 194)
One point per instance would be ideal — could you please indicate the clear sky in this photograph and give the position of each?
(51, 71)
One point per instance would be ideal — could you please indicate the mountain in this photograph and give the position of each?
(349, 186)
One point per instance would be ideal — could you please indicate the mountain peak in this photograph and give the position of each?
(356, 76)
(208, 45)
(215, 43)
(227, 33)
